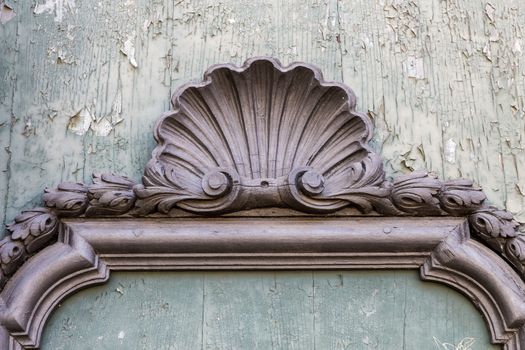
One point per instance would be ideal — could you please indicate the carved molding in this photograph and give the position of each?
(256, 136)
(88, 249)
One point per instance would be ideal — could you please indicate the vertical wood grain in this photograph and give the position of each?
(302, 310)
(442, 80)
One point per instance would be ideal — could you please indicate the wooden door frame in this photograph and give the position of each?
(87, 250)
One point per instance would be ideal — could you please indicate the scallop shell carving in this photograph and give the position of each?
(256, 136)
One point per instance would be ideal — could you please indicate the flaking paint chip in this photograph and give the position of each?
(413, 66)
(128, 49)
(450, 151)
(6, 13)
(121, 336)
(101, 127)
(79, 123)
(58, 7)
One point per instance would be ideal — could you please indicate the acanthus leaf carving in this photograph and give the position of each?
(33, 227)
(365, 187)
(417, 193)
(68, 199)
(31, 230)
(515, 251)
(498, 229)
(461, 197)
(160, 190)
(491, 222)
(110, 194)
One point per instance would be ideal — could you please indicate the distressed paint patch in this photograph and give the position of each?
(101, 127)
(464, 344)
(121, 335)
(29, 129)
(450, 151)
(84, 120)
(516, 48)
(116, 110)
(79, 123)
(62, 55)
(128, 49)
(6, 13)
(490, 11)
(58, 7)
(413, 66)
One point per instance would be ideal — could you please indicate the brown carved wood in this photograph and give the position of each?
(262, 136)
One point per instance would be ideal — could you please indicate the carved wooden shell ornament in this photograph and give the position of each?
(260, 135)
(257, 136)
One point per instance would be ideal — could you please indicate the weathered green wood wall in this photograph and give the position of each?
(324, 310)
(82, 82)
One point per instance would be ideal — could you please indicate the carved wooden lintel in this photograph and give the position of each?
(262, 135)
(87, 251)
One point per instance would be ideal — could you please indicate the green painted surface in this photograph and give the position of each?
(267, 310)
(442, 80)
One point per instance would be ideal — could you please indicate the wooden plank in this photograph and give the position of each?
(8, 55)
(144, 311)
(258, 311)
(266, 310)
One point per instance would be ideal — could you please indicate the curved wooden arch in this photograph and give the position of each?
(283, 141)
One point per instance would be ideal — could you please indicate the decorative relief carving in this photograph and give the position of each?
(31, 230)
(256, 136)
(262, 135)
(109, 195)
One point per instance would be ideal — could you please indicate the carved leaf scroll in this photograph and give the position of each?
(262, 135)
(32, 230)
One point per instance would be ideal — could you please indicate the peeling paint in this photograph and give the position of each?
(79, 123)
(464, 344)
(6, 13)
(516, 48)
(513, 204)
(450, 151)
(58, 7)
(413, 67)
(101, 127)
(128, 49)
(104, 125)
(490, 11)
(28, 128)
(521, 189)
(487, 51)
(121, 336)
(84, 120)
(116, 110)
(62, 55)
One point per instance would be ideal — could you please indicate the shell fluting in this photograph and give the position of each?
(260, 121)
